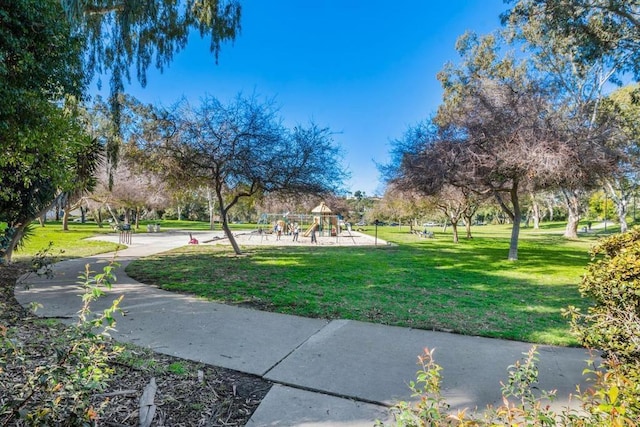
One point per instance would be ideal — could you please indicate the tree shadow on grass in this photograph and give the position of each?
(467, 288)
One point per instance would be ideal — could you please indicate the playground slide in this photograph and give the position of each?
(308, 232)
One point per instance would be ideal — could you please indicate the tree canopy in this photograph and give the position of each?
(502, 131)
(121, 36)
(241, 150)
(602, 31)
(44, 144)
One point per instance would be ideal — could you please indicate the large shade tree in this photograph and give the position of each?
(50, 50)
(241, 150)
(599, 31)
(499, 134)
(42, 141)
(507, 142)
(622, 183)
(580, 47)
(125, 36)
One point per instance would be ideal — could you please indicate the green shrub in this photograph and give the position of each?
(612, 324)
(58, 389)
(602, 405)
(612, 281)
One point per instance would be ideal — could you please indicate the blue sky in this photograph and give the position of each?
(365, 69)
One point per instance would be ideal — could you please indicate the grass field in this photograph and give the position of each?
(66, 244)
(468, 288)
(73, 245)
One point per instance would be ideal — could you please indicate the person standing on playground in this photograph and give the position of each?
(313, 233)
(278, 231)
(296, 231)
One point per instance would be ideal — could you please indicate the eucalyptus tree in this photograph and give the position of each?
(622, 183)
(599, 31)
(580, 47)
(242, 150)
(125, 36)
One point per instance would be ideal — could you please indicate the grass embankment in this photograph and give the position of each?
(469, 288)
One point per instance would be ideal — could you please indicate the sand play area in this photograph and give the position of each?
(249, 238)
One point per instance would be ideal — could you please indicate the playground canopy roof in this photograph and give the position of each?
(321, 209)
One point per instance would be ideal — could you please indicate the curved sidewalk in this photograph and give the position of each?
(325, 373)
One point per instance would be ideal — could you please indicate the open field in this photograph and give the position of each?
(71, 244)
(468, 288)
(65, 244)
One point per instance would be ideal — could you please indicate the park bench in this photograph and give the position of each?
(423, 233)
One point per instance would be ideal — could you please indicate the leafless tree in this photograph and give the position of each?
(133, 190)
(500, 134)
(241, 150)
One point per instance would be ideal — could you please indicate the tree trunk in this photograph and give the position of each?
(229, 234)
(535, 214)
(467, 226)
(15, 239)
(454, 229)
(212, 207)
(137, 217)
(622, 216)
(65, 215)
(515, 215)
(113, 215)
(572, 200)
(621, 200)
(515, 229)
(97, 214)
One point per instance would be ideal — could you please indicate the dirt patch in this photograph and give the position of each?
(188, 393)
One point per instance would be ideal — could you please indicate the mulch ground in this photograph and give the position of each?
(188, 393)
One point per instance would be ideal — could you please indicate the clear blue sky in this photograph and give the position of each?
(365, 69)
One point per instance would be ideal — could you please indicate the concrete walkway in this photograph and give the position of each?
(326, 373)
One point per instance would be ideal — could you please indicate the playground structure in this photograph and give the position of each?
(321, 218)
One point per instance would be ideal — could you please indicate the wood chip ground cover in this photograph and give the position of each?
(188, 393)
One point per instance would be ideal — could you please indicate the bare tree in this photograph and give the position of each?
(502, 133)
(241, 150)
(133, 191)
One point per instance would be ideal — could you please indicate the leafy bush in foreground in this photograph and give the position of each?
(601, 406)
(58, 389)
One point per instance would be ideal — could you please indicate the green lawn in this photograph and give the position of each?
(72, 243)
(469, 288)
(66, 244)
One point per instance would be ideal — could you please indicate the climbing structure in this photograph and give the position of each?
(326, 223)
